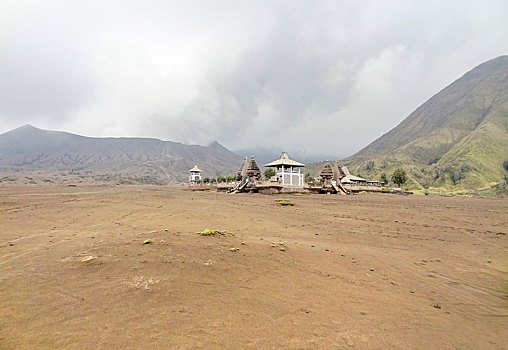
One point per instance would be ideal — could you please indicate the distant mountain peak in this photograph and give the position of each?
(107, 159)
(24, 129)
(27, 127)
(216, 145)
(215, 142)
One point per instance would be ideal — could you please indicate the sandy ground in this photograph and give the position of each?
(363, 271)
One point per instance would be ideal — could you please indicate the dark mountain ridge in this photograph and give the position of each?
(150, 160)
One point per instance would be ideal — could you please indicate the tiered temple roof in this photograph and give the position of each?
(253, 169)
(327, 171)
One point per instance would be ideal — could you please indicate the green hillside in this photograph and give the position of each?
(457, 141)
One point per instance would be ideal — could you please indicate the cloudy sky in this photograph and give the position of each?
(315, 78)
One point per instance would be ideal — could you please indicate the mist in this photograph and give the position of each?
(316, 79)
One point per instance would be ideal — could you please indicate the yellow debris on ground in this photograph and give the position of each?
(209, 232)
(87, 259)
(284, 202)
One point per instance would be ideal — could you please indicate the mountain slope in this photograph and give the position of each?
(123, 160)
(458, 139)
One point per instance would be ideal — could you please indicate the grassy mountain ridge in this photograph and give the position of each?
(123, 160)
(457, 141)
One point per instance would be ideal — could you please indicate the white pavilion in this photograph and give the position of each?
(195, 174)
(287, 171)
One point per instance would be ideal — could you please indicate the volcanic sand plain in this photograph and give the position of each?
(331, 272)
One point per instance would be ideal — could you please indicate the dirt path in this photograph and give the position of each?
(331, 272)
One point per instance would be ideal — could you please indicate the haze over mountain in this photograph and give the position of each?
(323, 78)
(458, 139)
(112, 160)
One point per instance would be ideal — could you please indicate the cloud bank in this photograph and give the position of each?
(320, 78)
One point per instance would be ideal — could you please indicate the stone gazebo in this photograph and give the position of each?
(287, 171)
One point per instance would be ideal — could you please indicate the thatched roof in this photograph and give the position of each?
(349, 177)
(195, 169)
(284, 160)
(327, 171)
(253, 169)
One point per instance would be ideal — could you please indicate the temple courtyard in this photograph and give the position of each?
(125, 268)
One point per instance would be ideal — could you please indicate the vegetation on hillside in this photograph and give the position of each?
(399, 177)
(456, 142)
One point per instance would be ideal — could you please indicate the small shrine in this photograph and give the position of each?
(195, 174)
(253, 172)
(327, 174)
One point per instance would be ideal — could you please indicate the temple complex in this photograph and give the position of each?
(333, 179)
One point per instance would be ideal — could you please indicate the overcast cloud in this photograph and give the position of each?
(320, 78)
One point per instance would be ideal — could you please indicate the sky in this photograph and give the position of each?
(314, 78)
